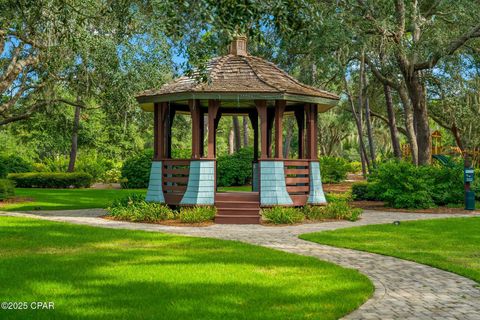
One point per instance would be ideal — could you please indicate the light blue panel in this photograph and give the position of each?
(273, 189)
(155, 192)
(201, 183)
(316, 190)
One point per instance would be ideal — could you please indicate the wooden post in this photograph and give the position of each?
(216, 122)
(156, 115)
(279, 110)
(253, 115)
(308, 136)
(195, 113)
(213, 106)
(300, 117)
(270, 119)
(311, 111)
(315, 131)
(262, 114)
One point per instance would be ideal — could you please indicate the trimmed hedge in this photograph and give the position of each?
(13, 164)
(7, 189)
(51, 179)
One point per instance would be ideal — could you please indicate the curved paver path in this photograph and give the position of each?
(403, 289)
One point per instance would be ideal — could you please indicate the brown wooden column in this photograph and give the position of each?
(279, 110)
(308, 135)
(311, 112)
(159, 137)
(270, 119)
(195, 113)
(300, 117)
(213, 106)
(315, 131)
(262, 114)
(253, 115)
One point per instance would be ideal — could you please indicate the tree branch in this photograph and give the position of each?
(451, 48)
(379, 75)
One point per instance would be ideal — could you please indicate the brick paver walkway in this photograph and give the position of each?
(403, 289)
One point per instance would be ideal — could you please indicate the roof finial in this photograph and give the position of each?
(238, 46)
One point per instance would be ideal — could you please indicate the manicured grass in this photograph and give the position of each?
(235, 189)
(65, 199)
(449, 244)
(95, 273)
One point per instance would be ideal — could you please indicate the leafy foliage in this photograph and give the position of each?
(13, 164)
(403, 185)
(334, 169)
(7, 189)
(197, 214)
(339, 210)
(51, 179)
(283, 215)
(134, 208)
(136, 170)
(235, 169)
(360, 191)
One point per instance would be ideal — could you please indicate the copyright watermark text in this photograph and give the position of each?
(24, 305)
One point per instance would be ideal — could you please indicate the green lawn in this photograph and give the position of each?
(96, 273)
(63, 199)
(449, 244)
(247, 188)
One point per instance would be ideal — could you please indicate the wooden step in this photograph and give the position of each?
(237, 196)
(237, 204)
(237, 219)
(238, 211)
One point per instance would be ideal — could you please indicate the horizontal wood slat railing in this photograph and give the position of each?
(297, 180)
(174, 179)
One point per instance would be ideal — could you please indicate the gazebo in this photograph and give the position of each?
(237, 84)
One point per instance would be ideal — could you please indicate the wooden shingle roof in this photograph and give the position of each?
(239, 76)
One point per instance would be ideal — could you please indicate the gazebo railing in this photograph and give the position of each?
(174, 179)
(297, 180)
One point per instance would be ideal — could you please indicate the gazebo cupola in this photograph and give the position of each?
(237, 83)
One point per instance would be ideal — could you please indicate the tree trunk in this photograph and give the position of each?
(359, 117)
(237, 134)
(74, 147)
(231, 142)
(371, 144)
(245, 131)
(361, 145)
(417, 95)
(409, 125)
(392, 123)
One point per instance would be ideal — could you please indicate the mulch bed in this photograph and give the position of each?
(380, 206)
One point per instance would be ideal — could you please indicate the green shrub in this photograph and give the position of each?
(339, 210)
(197, 214)
(7, 189)
(13, 164)
(134, 208)
(283, 215)
(448, 185)
(127, 200)
(235, 169)
(136, 170)
(51, 179)
(334, 169)
(362, 191)
(355, 167)
(402, 185)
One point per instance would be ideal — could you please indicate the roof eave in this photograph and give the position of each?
(147, 102)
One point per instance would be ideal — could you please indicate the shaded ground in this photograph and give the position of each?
(98, 273)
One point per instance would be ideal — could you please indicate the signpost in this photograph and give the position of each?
(468, 176)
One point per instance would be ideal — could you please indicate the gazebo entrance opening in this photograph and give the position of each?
(244, 85)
